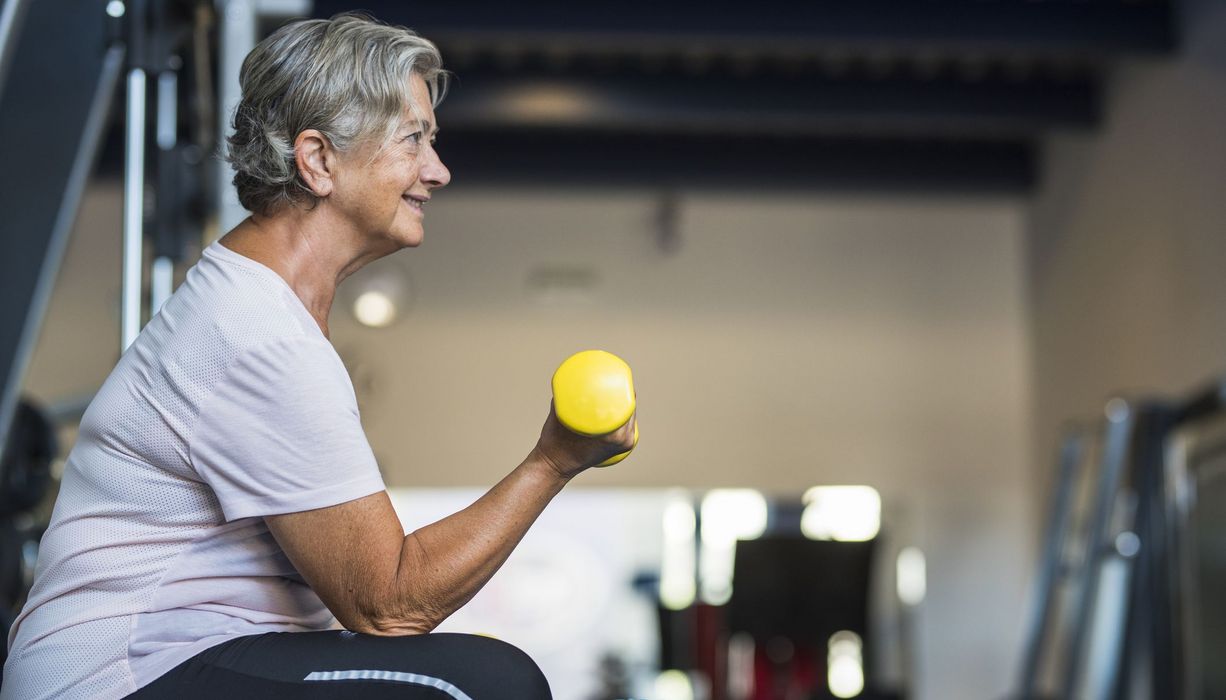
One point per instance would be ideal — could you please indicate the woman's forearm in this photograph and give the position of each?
(444, 564)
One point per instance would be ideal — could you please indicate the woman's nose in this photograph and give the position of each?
(433, 173)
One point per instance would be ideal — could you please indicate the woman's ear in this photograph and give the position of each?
(316, 161)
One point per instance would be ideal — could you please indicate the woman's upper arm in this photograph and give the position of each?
(350, 555)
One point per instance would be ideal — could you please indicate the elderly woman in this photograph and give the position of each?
(222, 509)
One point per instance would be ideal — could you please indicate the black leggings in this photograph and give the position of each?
(337, 664)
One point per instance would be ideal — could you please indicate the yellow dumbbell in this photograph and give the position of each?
(593, 395)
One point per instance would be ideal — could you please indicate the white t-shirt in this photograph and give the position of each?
(231, 405)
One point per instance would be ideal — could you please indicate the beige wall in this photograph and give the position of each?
(790, 341)
(78, 343)
(1128, 239)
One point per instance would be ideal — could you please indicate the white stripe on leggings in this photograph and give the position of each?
(397, 676)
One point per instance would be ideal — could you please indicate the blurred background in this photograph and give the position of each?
(921, 298)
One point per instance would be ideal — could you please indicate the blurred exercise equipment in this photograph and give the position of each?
(167, 49)
(1059, 565)
(798, 623)
(73, 45)
(1127, 600)
(24, 481)
(1195, 508)
(789, 601)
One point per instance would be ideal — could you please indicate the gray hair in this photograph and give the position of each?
(347, 77)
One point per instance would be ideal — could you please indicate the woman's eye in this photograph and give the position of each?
(414, 137)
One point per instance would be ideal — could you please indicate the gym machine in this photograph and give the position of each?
(65, 67)
(1126, 602)
(62, 65)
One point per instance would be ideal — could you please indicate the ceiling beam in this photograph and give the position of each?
(553, 158)
(1101, 27)
(811, 104)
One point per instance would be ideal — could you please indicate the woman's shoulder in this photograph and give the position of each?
(240, 302)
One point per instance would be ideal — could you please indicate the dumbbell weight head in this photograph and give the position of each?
(593, 395)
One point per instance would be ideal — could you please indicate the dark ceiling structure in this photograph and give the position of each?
(850, 95)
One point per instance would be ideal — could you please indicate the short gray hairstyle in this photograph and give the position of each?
(347, 77)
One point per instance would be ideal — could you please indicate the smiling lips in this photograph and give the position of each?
(415, 201)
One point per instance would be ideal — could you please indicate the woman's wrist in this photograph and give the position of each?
(539, 461)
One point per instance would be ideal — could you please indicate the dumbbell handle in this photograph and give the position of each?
(593, 395)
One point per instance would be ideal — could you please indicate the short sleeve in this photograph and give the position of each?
(281, 433)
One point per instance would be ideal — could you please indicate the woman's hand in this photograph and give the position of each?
(569, 453)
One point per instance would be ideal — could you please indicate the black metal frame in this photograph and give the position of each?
(1143, 662)
(1199, 430)
(74, 44)
(1145, 496)
(1120, 586)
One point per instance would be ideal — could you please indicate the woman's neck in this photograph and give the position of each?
(312, 257)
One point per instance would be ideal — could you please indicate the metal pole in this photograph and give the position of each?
(236, 39)
(133, 209)
(11, 16)
(168, 86)
(1121, 419)
(161, 282)
(1051, 568)
(134, 177)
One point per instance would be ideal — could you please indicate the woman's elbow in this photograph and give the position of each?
(389, 628)
(392, 621)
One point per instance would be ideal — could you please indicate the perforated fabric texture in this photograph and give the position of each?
(139, 569)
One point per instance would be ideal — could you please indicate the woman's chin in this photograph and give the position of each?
(410, 238)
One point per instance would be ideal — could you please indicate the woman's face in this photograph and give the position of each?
(384, 198)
